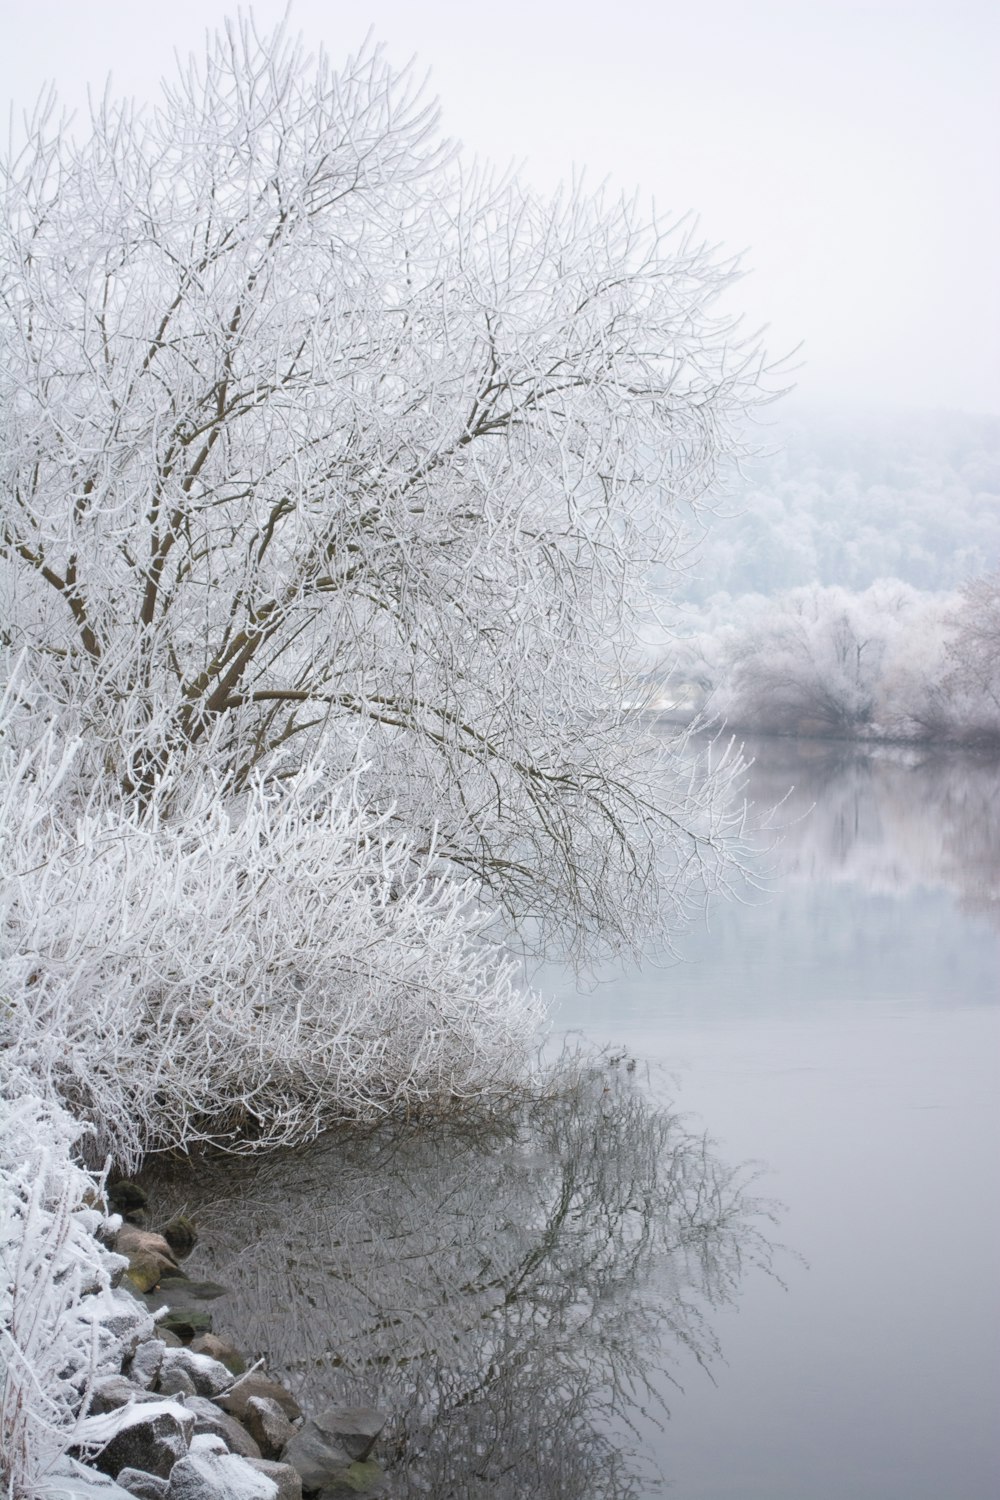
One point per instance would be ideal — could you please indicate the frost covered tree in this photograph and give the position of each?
(822, 661)
(326, 456)
(55, 1279)
(810, 661)
(969, 695)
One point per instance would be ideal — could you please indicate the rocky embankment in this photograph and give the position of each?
(183, 1418)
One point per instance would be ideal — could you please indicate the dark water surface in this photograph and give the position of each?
(530, 1297)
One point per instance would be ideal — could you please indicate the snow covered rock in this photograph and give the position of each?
(119, 1325)
(219, 1476)
(208, 1442)
(287, 1479)
(150, 1436)
(144, 1486)
(70, 1480)
(255, 1384)
(208, 1376)
(113, 1392)
(175, 1381)
(221, 1349)
(267, 1425)
(209, 1418)
(144, 1366)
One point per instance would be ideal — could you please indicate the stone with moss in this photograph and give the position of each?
(180, 1234)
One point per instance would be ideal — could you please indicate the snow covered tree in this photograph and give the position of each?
(969, 696)
(333, 472)
(822, 661)
(810, 662)
(315, 437)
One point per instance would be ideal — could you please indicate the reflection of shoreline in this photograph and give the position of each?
(809, 731)
(889, 818)
(513, 1291)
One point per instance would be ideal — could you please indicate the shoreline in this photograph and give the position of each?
(186, 1416)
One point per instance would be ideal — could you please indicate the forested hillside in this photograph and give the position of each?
(852, 588)
(846, 498)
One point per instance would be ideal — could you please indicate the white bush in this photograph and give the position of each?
(208, 968)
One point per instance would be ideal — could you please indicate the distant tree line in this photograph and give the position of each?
(888, 662)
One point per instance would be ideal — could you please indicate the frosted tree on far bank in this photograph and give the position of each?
(963, 702)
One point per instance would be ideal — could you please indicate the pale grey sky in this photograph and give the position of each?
(851, 149)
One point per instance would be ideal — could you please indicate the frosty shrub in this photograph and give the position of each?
(51, 1268)
(244, 969)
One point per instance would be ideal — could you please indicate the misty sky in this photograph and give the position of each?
(850, 149)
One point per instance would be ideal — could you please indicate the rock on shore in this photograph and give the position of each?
(181, 1421)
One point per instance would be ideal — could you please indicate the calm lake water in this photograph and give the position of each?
(846, 1031)
(567, 1304)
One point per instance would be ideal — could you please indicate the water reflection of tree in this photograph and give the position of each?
(888, 819)
(516, 1292)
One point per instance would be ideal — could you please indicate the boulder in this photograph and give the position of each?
(183, 1323)
(175, 1284)
(317, 1456)
(208, 1418)
(109, 1393)
(143, 1486)
(208, 1442)
(289, 1482)
(175, 1381)
(220, 1349)
(362, 1481)
(146, 1269)
(149, 1256)
(113, 1392)
(149, 1435)
(267, 1425)
(219, 1476)
(208, 1375)
(126, 1196)
(122, 1323)
(144, 1366)
(255, 1384)
(180, 1234)
(356, 1428)
(132, 1241)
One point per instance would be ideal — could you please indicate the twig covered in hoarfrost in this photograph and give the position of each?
(50, 1265)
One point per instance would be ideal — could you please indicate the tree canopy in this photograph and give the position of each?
(313, 434)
